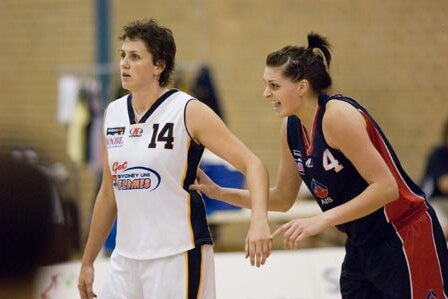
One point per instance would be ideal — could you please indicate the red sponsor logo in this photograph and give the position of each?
(117, 166)
(135, 132)
(320, 190)
(114, 141)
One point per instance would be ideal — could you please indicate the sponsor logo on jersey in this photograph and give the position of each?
(300, 167)
(119, 166)
(135, 132)
(134, 178)
(299, 163)
(115, 131)
(326, 201)
(431, 295)
(114, 141)
(309, 162)
(321, 191)
(114, 137)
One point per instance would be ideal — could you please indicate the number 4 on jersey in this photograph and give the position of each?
(165, 135)
(329, 162)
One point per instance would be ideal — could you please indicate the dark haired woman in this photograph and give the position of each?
(395, 246)
(154, 140)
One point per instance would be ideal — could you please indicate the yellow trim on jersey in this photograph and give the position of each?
(186, 268)
(188, 199)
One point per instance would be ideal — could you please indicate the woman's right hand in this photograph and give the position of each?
(205, 185)
(85, 282)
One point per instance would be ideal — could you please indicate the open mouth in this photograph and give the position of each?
(276, 104)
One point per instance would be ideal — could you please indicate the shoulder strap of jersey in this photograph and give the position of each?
(293, 131)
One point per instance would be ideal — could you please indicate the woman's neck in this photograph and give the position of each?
(307, 113)
(142, 100)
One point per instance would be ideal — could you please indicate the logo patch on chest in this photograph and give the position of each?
(299, 163)
(134, 178)
(114, 137)
(115, 131)
(321, 191)
(135, 132)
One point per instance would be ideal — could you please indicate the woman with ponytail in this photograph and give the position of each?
(395, 246)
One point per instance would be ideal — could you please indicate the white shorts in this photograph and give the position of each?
(189, 275)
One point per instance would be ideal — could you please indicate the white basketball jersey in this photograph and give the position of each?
(152, 164)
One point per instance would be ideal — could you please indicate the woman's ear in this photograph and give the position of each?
(302, 87)
(159, 67)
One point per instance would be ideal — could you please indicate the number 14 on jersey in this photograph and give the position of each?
(165, 135)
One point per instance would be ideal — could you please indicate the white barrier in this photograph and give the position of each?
(298, 274)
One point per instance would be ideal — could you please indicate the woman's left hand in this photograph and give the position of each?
(297, 230)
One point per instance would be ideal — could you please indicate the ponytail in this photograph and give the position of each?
(315, 41)
(299, 63)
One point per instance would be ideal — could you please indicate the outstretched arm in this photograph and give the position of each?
(208, 129)
(281, 197)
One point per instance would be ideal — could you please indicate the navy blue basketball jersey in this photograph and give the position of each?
(333, 180)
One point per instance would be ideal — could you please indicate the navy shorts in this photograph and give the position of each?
(410, 263)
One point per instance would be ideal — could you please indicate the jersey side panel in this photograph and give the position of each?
(410, 198)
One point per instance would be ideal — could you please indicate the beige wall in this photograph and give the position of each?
(389, 55)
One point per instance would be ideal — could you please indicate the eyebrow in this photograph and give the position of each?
(130, 51)
(270, 80)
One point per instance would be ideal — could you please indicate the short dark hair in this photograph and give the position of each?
(159, 42)
(305, 63)
(26, 223)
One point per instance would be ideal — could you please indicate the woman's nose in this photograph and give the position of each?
(124, 63)
(267, 92)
